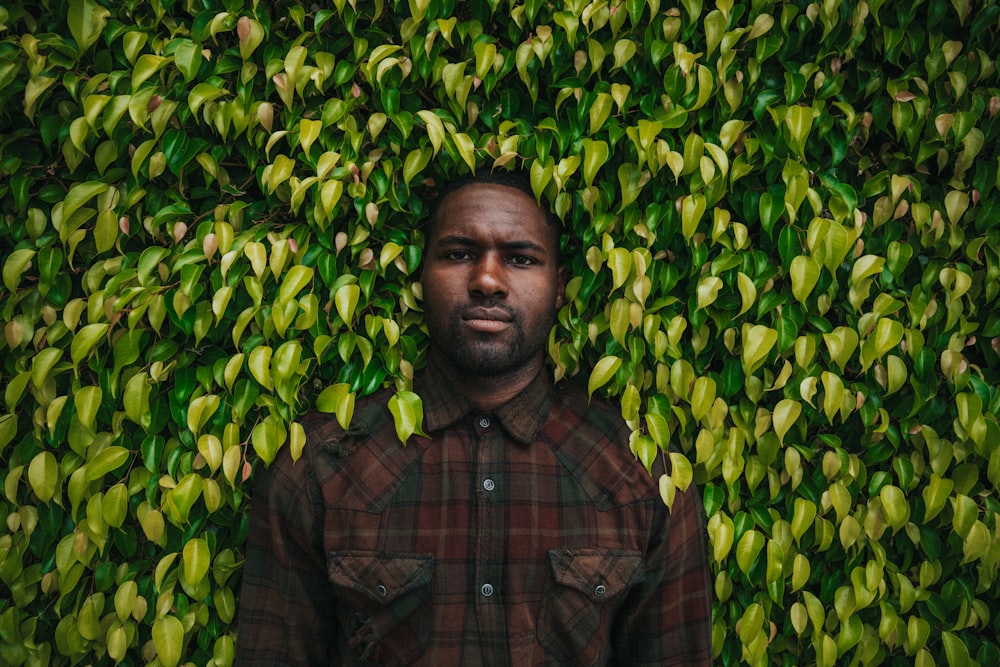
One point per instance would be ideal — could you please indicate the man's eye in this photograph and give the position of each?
(522, 260)
(458, 255)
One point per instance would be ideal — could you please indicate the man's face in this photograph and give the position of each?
(492, 281)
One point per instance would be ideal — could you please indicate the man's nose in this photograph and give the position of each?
(488, 277)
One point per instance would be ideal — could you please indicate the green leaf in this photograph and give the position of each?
(758, 341)
(708, 290)
(201, 94)
(196, 558)
(188, 58)
(702, 397)
(259, 364)
(105, 461)
(935, 495)
(833, 399)
(136, 399)
(84, 341)
(888, 334)
(659, 429)
(955, 650)
(43, 475)
(799, 121)
(267, 437)
(8, 429)
(804, 272)
(346, 300)
(466, 149)
(87, 20)
(308, 133)
(692, 210)
(895, 506)
(15, 266)
(620, 263)
(42, 365)
(146, 66)
(802, 517)
(435, 128)
(295, 279)
(599, 111)
(338, 399)
(407, 413)
(595, 156)
(168, 639)
(748, 292)
(415, 163)
(604, 370)
(748, 549)
(200, 410)
(784, 416)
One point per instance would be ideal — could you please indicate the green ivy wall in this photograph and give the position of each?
(783, 232)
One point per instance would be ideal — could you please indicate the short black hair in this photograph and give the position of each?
(517, 180)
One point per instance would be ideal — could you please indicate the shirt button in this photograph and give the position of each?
(484, 422)
(488, 484)
(600, 590)
(381, 590)
(487, 590)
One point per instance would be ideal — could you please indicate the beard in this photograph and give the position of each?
(486, 354)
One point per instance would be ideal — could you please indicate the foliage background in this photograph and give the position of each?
(782, 223)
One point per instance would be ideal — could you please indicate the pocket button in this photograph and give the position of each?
(600, 590)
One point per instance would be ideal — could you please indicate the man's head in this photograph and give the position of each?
(491, 277)
(510, 179)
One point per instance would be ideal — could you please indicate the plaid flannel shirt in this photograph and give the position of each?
(525, 536)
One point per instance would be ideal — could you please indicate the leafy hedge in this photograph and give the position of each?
(783, 225)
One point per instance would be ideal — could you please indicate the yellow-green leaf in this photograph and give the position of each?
(43, 474)
(604, 370)
(804, 272)
(758, 341)
(407, 413)
(785, 414)
(346, 300)
(339, 399)
(195, 560)
(267, 437)
(168, 639)
(748, 549)
(708, 290)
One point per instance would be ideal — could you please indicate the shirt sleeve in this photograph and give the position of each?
(667, 619)
(286, 611)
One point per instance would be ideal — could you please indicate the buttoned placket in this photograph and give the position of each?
(488, 586)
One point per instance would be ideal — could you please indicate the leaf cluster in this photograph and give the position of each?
(781, 230)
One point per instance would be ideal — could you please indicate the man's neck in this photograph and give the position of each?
(486, 392)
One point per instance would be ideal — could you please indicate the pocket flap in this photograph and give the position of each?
(382, 577)
(601, 574)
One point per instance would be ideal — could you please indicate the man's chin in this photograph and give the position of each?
(484, 360)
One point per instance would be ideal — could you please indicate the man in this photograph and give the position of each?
(520, 532)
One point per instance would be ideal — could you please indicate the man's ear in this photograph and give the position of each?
(560, 287)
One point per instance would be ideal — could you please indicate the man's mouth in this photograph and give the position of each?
(487, 320)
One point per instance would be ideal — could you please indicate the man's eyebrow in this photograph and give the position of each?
(468, 242)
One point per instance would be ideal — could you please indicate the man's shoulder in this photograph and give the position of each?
(591, 412)
(361, 466)
(591, 439)
(370, 418)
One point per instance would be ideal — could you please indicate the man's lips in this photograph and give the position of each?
(487, 319)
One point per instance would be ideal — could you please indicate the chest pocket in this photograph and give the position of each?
(584, 590)
(385, 605)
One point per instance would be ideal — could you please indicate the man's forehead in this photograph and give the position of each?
(490, 204)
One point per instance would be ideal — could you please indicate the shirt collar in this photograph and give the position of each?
(521, 416)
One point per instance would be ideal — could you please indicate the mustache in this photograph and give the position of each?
(487, 304)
